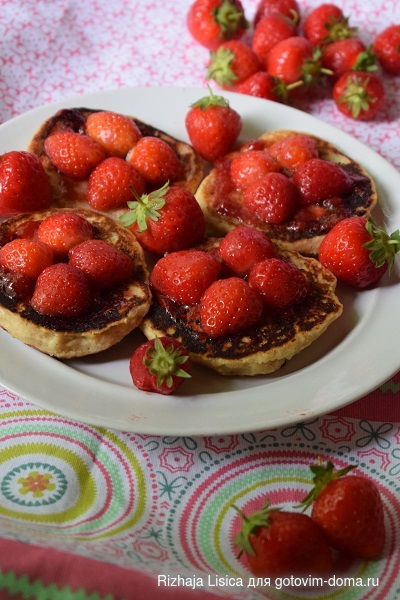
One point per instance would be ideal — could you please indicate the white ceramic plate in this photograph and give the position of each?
(354, 356)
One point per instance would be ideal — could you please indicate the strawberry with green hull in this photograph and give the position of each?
(160, 366)
(359, 252)
(213, 126)
(348, 55)
(212, 22)
(232, 64)
(359, 95)
(349, 511)
(327, 23)
(279, 543)
(165, 220)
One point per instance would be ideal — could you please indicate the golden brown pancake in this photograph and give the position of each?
(221, 201)
(263, 348)
(113, 314)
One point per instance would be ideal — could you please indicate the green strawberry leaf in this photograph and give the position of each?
(164, 363)
(383, 246)
(145, 207)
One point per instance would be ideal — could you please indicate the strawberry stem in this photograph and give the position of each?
(164, 363)
(210, 100)
(230, 18)
(220, 68)
(145, 207)
(356, 96)
(322, 476)
(383, 246)
(259, 518)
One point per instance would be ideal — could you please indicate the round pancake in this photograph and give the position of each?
(69, 193)
(303, 233)
(263, 348)
(113, 314)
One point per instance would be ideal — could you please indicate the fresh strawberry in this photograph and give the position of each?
(279, 283)
(104, 265)
(229, 306)
(26, 256)
(259, 85)
(61, 231)
(294, 150)
(279, 543)
(285, 8)
(116, 133)
(166, 220)
(326, 23)
(213, 126)
(212, 22)
(160, 365)
(24, 185)
(272, 199)
(348, 55)
(318, 179)
(73, 154)
(156, 161)
(349, 511)
(295, 61)
(359, 252)
(110, 183)
(62, 290)
(246, 167)
(270, 30)
(387, 48)
(185, 275)
(243, 247)
(359, 95)
(232, 63)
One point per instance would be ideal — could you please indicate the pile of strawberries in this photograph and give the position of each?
(287, 57)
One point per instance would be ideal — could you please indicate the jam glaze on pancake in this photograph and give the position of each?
(69, 193)
(112, 315)
(222, 206)
(263, 348)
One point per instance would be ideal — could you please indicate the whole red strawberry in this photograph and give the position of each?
(185, 275)
(272, 198)
(26, 256)
(74, 154)
(349, 511)
(110, 183)
(327, 23)
(24, 185)
(229, 306)
(62, 290)
(213, 126)
(160, 365)
(295, 61)
(347, 55)
(279, 543)
(387, 48)
(156, 161)
(294, 150)
(259, 85)
(318, 179)
(212, 22)
(270, 30)
(61, 231)
(243, 247)
(359, 95)
(165, 220)
(116, 133)
(104, 265)
(232, 63)
(279, 283)
(248, 166)
(286, 8)
(359, 252)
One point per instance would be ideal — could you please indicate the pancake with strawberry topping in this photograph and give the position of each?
(300, 227)
(99, 143)
(272, 337)
(74, 291)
